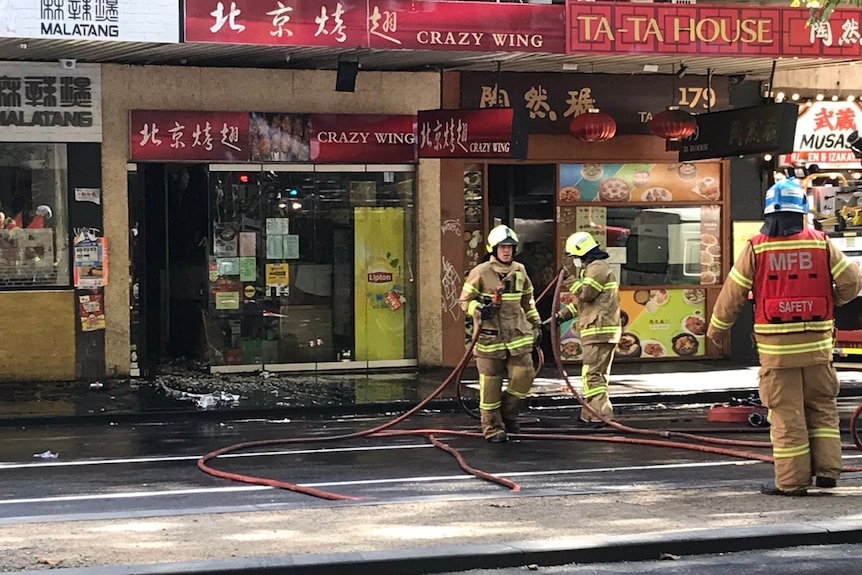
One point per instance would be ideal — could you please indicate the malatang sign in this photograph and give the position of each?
(743, 30)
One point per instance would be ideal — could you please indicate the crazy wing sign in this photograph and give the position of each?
(821, 135)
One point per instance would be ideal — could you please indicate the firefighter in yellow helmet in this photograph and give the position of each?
(796, 276)
(597, 308)
(500, 294)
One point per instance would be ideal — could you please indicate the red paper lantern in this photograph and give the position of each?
(593, 126)
(673, 124)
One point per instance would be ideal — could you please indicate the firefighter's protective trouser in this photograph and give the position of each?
(596, 368)
(804, 422)
(497, 408)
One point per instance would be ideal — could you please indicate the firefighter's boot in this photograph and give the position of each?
(492, 426)
(510, 410)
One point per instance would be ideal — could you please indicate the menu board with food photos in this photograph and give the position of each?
(656, 323)
(619, 183)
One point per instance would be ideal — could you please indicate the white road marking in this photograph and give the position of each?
(132, 460)
(428, 479)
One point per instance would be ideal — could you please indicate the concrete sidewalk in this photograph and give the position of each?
(632, 523)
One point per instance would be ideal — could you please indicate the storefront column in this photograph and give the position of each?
(429, 291)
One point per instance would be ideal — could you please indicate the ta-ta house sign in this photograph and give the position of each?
(40, 102)
(114, 20)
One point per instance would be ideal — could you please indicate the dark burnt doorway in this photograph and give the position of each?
(521, 196)
(168, 209)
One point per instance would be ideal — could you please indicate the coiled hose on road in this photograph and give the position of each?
(658, 438)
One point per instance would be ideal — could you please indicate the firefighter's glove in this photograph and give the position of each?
(717, 336)
(537, 337)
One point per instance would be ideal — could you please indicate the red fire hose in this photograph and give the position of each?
(706, 443)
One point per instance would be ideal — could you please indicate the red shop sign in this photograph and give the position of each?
(169, 135)
(488, 133)
(477, 26)
(363, 138)
(394, 24)
(743, 30)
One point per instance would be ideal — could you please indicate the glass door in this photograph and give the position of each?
(311, 267)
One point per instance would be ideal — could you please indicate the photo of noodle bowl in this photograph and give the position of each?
(653, 348)
(629, 345)
(685, 344)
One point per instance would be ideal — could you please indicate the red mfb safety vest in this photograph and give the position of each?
(792, 283)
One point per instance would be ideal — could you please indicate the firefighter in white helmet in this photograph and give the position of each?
(796, 276)
(597, 308)
(500, 294)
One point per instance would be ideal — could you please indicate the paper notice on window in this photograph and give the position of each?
(247, 269)
(227, 300)
(277, 226)
(93, 195)
(228, 266)
(247, 244)
(291, 247)
(274, 247)
(277, 274)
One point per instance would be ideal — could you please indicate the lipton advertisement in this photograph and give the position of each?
(656, 323)
(379, 283)
(652, 183)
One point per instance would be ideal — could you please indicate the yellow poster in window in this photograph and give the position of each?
(742, 232)
(379, 283)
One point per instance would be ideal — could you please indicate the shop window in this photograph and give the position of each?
(34, 245)
(329, 270)
(649, 217)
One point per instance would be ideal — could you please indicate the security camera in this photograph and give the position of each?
(68, 63)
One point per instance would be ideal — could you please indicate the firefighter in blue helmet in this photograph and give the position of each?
(499, 293)
(796, 277)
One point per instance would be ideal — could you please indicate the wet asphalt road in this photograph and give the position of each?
(812, 560)
(127, 470)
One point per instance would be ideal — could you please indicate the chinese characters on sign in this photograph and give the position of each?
(39, 102)
(821, 134)
(491, 133)
(112, 20)
(396, 24)
(754, 130)
(552, 100)
(750, 31)
(181, 135)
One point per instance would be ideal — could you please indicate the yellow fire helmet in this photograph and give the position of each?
(579, 243)
(501, 236)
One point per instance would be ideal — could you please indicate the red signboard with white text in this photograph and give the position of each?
(392, 24)
(821, 135)
(176, 135)
(487, 133)
(168, 135)
(700, 30)
(363, 138)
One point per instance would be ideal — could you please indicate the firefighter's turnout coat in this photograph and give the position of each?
(793, 310)
(795, 281)
(597, 304)
(510, 331)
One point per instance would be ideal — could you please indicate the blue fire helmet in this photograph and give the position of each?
(786, 196)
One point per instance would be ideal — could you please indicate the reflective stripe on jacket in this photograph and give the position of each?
(510, 330)
(597, 304)
(778, 349)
